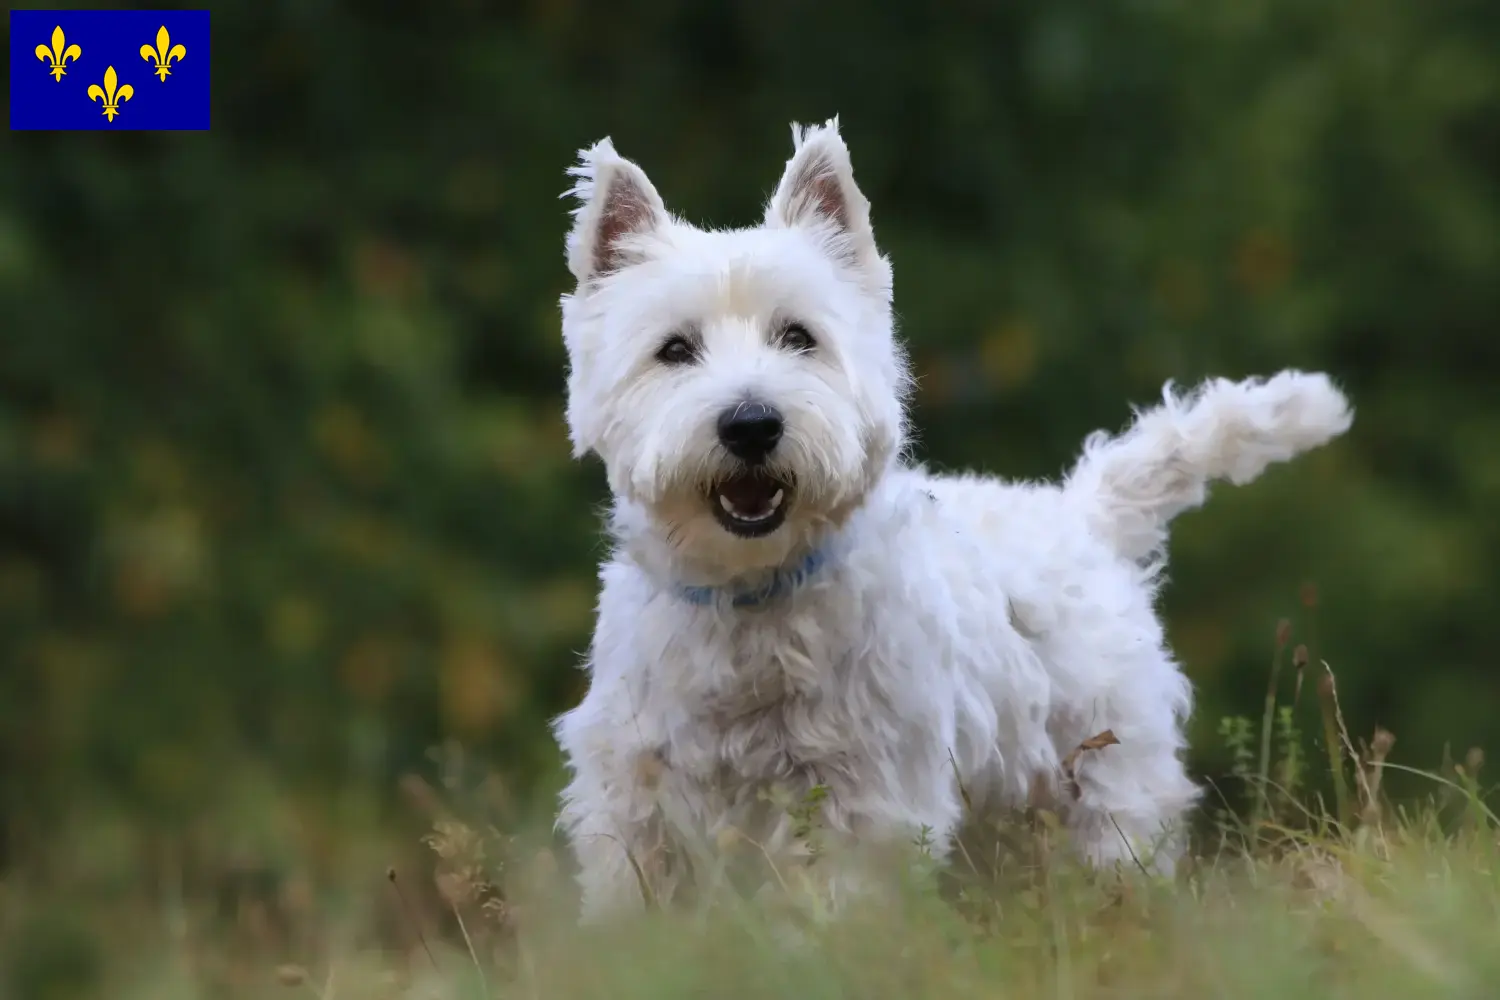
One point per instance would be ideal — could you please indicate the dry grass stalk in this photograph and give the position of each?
(411, 916)
(1335, 739)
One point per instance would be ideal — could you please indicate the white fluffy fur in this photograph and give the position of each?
(964, 629)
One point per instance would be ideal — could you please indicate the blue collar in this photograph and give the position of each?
(783, 581)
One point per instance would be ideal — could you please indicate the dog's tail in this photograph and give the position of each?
(1133, 484)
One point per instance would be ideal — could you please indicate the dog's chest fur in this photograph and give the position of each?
(787, 699)
(774, 697)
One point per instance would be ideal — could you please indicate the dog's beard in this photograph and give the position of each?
(710, 543)
(738, 500)
(673, 511)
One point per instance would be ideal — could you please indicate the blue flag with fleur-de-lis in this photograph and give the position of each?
(109, 69)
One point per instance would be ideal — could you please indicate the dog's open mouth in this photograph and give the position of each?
(751, 504)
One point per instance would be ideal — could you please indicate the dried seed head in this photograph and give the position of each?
(1309, 595)
(1299, 656)
(497, 910)
(1283, 634)
(291, 975)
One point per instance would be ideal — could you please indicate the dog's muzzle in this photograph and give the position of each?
(750, 502)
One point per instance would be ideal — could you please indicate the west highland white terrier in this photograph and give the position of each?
(792, 605)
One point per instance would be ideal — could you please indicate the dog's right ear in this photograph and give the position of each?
(616, 207)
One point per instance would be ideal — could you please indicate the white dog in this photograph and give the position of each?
(791, 604)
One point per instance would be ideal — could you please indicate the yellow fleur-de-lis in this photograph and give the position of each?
(110, 95)
(164, 53)
(59, 54)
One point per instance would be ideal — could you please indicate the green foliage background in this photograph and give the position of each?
(285, 495)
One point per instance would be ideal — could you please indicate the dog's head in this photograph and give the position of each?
(744, 387)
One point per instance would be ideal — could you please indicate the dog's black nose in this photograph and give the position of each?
(750, 431)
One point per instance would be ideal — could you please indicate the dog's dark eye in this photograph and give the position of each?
(678, 350)
(796, 338)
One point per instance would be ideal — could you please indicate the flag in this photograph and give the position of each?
(109, 69)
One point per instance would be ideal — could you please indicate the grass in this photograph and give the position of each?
(1286, 897)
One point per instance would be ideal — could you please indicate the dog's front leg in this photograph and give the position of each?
(621, 833)
(624, 866)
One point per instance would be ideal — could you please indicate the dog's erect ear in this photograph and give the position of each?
(616, 206)
(818, 190)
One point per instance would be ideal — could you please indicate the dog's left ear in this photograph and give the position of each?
(818, 191)
(617, 205)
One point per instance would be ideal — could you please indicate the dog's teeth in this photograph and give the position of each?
(771, 508)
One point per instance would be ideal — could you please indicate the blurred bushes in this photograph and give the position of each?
(283, 470)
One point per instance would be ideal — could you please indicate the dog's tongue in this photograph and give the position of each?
(750, 496)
